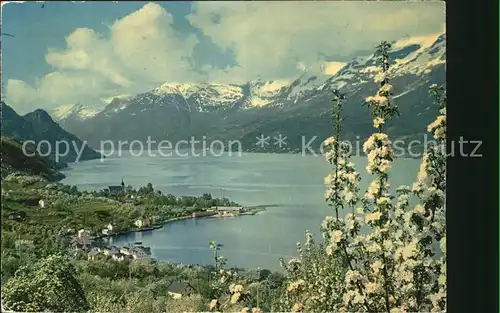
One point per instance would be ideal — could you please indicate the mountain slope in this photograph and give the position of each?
(14, 160)
(295, 108)
(39, 126)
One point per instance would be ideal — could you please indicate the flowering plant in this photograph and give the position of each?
(392, 252)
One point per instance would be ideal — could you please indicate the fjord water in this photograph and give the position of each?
(289, 186)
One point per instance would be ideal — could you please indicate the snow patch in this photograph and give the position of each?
(258, 102)
(62, 111)
(120, 97)
(274, 86)
(331, 68)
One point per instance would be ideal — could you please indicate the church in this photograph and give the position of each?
(117, 190)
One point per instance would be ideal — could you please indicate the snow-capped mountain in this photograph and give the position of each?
(221, 110)
(74, 112)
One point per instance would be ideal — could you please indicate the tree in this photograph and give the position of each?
(47, 285)
(149, 188)
(73, 190)
(398, 262)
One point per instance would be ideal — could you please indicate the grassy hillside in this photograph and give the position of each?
(15, 160)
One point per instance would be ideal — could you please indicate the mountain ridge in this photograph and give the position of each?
(299, 107)
(38, 126)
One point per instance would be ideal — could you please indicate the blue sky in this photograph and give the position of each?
(36, 30)
(87, 52)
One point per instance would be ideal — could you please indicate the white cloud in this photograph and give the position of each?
(272, 38)
(331, 68)
(141, 51)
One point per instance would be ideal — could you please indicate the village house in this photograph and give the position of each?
(84, 236)
(82, 240)
(120, 257)
(17, 216)
(125, 250)
(43, 204)
(117, 190)
(203, 213)
(230, 211)
(92, 255)
(238, 209)
(140, 252)
(180, 289)
(110, 251)
(139, 223)
(108, 229)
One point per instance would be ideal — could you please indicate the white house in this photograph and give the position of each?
(84, 236)
(139, 223)
(125, 250)
(179, 289)
(140, 252)
(119, 257)
(110, 251)
(108, 230)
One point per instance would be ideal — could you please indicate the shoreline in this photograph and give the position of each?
(174, 219)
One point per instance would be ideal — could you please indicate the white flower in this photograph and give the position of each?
(373, 217)
(377, 122)
(372, 287)
(295, 285)
(336, 236)
(440, 133)
(442, 245)
(385, 151)
(212, 304)
(329, 179)
(352, 276)
(329, 141)
(358, 298)
(328, 155)
(388, 245)
(348, 196)
(379, 77)
(327, 222)
(407, 276)
(419, 209)
(383, 200)
(373, 247)
(374, 187)
(409, 250)
(388, 88)
(368, 143)
(297, 307)
(360, 210)
(235, 297)
(330, 249)
(384, 166)
(238, 288)
(442, 279)
(328, 193)
(377, 266)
